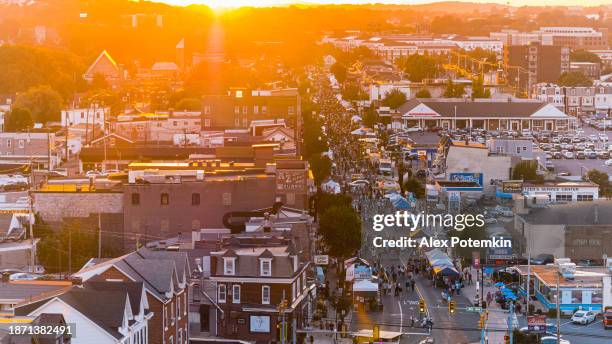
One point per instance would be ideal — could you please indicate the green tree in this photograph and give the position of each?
(454, 90)
(584, 56)
(99, 82)
(315, 141)
(601, 179)
(416, 187)
(327, 200)
(188, 104)
(321, 167)
(419, 67)
(340, 72)
(353, 92)
(370, 117)
(44, 103)
(574, 79)
(474, 233)
(423, 93)
(526, 170)
(18, 119)
(340, 229)
(478, 89)
(394, 99)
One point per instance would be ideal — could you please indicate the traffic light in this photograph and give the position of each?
(422, 306)
(481, 321)
(376, 332)
(451, 307)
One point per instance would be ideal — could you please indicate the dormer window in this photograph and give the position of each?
(221, 297)
(265, 266)
(229, 266)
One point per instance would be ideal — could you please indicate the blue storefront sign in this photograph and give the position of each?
(467, 177)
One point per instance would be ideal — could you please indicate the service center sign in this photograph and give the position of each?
(536, 323)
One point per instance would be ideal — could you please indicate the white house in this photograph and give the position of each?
(90, 116)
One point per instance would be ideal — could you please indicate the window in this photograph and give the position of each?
(265, 267)
(236, 110)
(564, 197)
(226, 198)
(582, 198)
(135, 199)
(207, 122)
(175, 123)
(290, 110)
(298, 287)
(264, 109)
(21, 144)
(256, 109)
(236, 293)
(245, 109)
(293, 291)
(245, 122)
(164, 199)
(229, 266)
(171, 340)
(180, 336)
(265, 295)
(8, 143)
(207, 109)
(239, 94)
(237, 122)
(82, 115)
(195, 199)
(518, 150)
(222, 294)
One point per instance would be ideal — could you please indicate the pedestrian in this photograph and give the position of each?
(407, 284)
(412, 285)
(489, 298)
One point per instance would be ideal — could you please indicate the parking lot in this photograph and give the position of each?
(593, 333)
(577, 167)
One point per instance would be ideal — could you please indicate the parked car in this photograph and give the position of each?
(591, 154)
(580, 155)
(583, 317)
(607, 319)
(608, 162)
(603, 138)
(543, 259)
(568, 154)
(593, 138)
(602, 154)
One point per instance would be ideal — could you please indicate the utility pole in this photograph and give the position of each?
(510, 323)
(558, 308)
(69, 250)
(99, 236)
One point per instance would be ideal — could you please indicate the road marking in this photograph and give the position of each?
(593, 323)
(399, 304)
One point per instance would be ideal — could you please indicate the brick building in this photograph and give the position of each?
(536, 63)
(252, 282)
(165, 276)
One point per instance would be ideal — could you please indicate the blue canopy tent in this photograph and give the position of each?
(398, 201)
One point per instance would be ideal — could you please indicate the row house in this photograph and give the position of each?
(38, 149)
(165, 276)
(103, 311)
(575, 100)
(262, 291)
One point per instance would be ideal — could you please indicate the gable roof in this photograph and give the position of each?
(104, 59)
(105, 308)
(447, 108)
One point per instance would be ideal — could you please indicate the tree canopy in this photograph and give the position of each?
(423, 93)
(24, 67)
(44, 103)
(188, 104)
(574, 79)
(321, 167)
(601, 179)
(340, 72)
(478, 89)
(419, 67)
(526, 170)
(18, 119)
(584, 56)
(416, 187)
(340, 228)
(454, 90)
(394, 99)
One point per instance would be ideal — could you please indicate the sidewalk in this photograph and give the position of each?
(497, 319)
(328, 338)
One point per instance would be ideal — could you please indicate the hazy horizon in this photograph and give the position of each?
(265, 3)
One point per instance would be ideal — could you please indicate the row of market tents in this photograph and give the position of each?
(441, 264)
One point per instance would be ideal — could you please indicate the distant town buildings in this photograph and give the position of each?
(574, 37)
(576, 100)
(536, 62)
